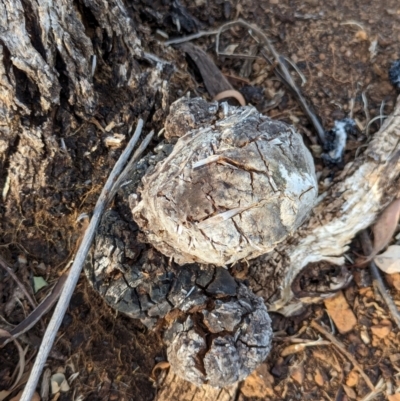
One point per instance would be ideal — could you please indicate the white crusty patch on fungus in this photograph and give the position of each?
(230, 190)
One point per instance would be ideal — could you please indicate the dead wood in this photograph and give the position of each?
(349, 205)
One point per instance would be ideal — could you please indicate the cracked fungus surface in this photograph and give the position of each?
(231, 189)
(238, 340)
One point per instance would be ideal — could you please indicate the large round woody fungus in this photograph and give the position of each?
(235, 185)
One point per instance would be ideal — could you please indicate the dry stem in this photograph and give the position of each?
(377, 279)
(62, 305)
(343, 350)
(10, 271)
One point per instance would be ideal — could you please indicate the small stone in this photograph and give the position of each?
(322, 56)
(340, 312)
(352, 379)
(381, 330)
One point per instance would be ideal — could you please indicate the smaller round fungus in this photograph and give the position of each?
(235, 185)
(222, 344)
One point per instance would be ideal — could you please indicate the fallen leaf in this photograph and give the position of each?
(59, 383)
(38, 283)
(394, 397)
(385, 226)
(389, 261)
(349, 392)
(340, 312)
(318, 378)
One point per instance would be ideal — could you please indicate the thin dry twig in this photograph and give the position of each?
(188, 38)
(21, 364)
(280, 70)
(343, 350)
(105, 197)
(278, 62)
(10, 271)
(37, 313)
(377, 279)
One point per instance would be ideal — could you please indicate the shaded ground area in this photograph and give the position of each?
(343, 50)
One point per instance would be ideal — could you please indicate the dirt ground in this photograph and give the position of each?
(343, 50)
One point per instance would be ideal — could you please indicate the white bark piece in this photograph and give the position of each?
(364, 188)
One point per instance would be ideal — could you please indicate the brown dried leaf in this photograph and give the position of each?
(214, 80)
(297, 374)
(349, 392)
(318, 378)
(394, 397)
(385, 227)
(340, 312)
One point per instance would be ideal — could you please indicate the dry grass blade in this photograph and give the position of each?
(385, 227)
(21, 365)
(38, 312)
(377, 279)
(5, 266)
(280, 70)
(62, 305)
